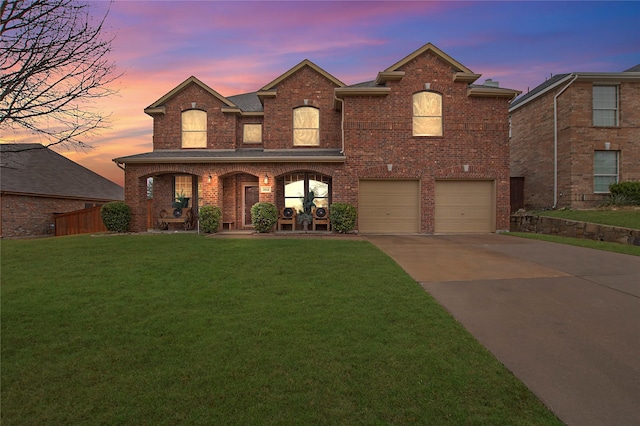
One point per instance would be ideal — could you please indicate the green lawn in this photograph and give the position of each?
(167, 329)
(628, 217)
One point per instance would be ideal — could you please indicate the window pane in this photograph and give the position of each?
(194, 140)
(427, 114)
(601, 183)
(605, 170)
(306, 118)
(252, 133)
(427, 104)
(306, 137)
(605, 163)
(605, 105)
(194, 129)
(194, 120)
(183, 186)
(427, 126)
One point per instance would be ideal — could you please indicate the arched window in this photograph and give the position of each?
(194, 129)
(296, 185)
(306, 126)
(427, 114)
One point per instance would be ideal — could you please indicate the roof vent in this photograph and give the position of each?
(491, 83)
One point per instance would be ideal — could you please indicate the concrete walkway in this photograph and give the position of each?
(565, 320)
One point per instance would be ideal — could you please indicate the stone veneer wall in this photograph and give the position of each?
(574, 229)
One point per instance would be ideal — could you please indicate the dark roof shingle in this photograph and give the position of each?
(35, 169)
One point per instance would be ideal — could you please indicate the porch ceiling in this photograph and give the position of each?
(236, 156)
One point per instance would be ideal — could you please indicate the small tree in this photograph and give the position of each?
(53, 65)
(343, 217)
(264, 216)
(116, 216)
(210, 218)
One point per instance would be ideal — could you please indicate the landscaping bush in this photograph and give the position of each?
(116, 216)
(625, 193)
(264, 216)
(210, 218)
(343, 217)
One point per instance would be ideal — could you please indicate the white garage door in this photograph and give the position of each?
(389, 206)
(465, 206)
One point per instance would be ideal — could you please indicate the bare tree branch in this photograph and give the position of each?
(54, 65)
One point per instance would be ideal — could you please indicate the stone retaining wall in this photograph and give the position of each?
(574, 229)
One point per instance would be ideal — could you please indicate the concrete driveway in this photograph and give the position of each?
(565, 320)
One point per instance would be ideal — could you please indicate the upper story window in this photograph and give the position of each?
(605, 106)
(194, 129)
(605, 170)
(252, 133)
(306, 126)
(427, 114)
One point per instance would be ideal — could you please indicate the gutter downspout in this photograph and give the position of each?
(555, 141)
(341, 121)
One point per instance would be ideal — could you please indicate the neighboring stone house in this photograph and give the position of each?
(574, 135)
(36, 183)
(421, 149)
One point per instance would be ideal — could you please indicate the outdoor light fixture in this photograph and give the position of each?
(266, 179)
(209, 179)
(389, 167)
(465, 167)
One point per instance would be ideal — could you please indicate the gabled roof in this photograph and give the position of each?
(158, 106)
(394, 71)
(305, 63)
(32, 169)
(630, 75)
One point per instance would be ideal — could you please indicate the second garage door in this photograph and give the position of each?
(389, 206)
(464, 206)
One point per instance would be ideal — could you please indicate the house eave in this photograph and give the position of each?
(155, 111)
(465, 77)
(384, 76)
(492, 92)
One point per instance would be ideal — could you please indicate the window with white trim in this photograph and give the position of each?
(194, 129)
(605, 106)
(306, 126)
(605, 170)
(427, 114)
(252, 133)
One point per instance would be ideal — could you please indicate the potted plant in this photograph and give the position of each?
(305, 216)
(181, 201)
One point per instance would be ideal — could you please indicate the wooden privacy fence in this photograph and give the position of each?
(83, 221)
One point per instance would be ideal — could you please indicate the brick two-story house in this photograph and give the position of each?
(421, 149)
(574, 135)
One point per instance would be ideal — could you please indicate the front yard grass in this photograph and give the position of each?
(625, 217)
(167, 329)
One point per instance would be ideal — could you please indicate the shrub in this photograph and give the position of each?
(116, 216)
(343, 217)
(209, 218)
(625, 192)
(264, 216)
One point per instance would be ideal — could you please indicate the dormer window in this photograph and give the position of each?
(306, 126)
(194, 129)
(427, 114)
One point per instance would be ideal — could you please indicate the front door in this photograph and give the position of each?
(251, 196)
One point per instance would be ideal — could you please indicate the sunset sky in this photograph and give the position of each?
(238, 47)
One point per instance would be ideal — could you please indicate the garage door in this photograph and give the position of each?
(464, 206)
(389, 206)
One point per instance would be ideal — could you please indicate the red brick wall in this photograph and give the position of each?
(291, 93)
(24, 215)
(167, 128)
(378, 131)
(532, 145)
